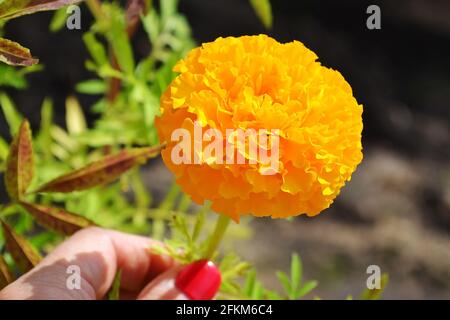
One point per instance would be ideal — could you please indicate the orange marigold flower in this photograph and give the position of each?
(255, 82)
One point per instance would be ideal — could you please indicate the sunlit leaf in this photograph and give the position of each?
(263, 10)
(22, 252)
(17, 8)
(56, 219)
(75, 119)
(20, 164)
(101, 172)
(14, 54)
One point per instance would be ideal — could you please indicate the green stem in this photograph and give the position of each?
(214, 241)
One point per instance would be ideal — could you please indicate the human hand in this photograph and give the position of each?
(99, 253)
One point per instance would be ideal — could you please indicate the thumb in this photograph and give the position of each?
(199, 280)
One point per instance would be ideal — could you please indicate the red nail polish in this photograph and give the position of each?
(199, 280)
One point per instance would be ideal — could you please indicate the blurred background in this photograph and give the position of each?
(395, 213)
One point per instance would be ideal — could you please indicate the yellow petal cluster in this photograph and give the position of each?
(257, 82)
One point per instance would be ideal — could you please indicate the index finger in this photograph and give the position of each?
(98, 253)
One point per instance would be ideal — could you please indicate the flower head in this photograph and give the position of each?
(282, 93)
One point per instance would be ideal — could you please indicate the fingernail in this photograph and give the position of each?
(199, 280)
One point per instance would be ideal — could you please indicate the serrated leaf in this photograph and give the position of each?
(57, 219)
(101, 172)
(5, 275)
(22, 252)
(17, 8)
(263, 10)
(19, 164)
(114, 292)
(14, 54)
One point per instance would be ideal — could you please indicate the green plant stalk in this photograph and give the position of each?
(214, 241)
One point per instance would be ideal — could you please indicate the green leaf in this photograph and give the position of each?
(19, 164)
(93, 86)
(45, 139)
(13, 118)
(296, 272)
(56, 219)
(23, 253)
(100, 172)
(258, 291)
(95, 48)
(4, 149)
(118, 37)
(151, 25)
(285, 282)
(17, 8)
(114, 292)
(168, 9)
(9, 76)
(263, 10)
(250, 283)
(307, 288)
(58, 20)
(14, 54)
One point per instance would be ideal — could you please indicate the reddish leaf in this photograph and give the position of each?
(13, 9)
(56, 219)
(20, 164)
(14, 54)
(101, 172)
(23, 253)
(5, 275)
